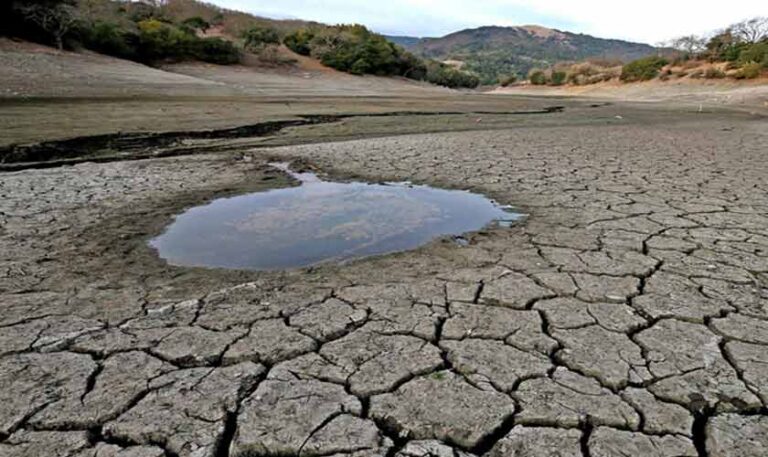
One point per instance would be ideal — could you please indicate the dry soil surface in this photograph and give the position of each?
(30, 70)
(627, 316)
(748, 95)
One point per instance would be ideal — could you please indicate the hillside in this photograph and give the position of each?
(232, 22)
(408, 42)
(495, 52)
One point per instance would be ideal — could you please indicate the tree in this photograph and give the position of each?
(56, 20)
(558, 78)
(753, 30)
(689, 44)
(721, 45)
(537, 77)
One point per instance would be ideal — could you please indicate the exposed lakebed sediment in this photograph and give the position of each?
(627, 315)
(135, 146)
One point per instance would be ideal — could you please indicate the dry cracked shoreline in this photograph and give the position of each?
(627, 316)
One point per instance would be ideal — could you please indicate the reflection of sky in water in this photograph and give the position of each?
(320, 221)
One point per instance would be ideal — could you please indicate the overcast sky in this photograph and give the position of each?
(648, 21)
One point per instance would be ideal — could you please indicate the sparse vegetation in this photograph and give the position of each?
(587, 73)
(576, 74)
(741, 45)
(740, 51)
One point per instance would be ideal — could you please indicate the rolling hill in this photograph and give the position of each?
(494, 52)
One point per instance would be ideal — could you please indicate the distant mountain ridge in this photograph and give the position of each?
(408, 42)
(495, 52)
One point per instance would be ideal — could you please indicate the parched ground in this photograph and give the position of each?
(30, 70)
(627, 316)
(747, 94)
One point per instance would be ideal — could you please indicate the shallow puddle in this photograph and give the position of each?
(322, 221)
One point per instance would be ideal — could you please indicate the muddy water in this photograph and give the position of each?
(321, 221)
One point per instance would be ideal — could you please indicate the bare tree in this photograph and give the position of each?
(57, 19)
(690, 44)
(752, 30)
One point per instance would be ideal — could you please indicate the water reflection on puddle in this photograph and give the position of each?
(322, 221)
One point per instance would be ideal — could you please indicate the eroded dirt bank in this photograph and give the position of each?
(627, 316)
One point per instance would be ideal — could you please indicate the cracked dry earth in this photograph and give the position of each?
(628, 316)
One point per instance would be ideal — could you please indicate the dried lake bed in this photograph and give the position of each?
(627, 315)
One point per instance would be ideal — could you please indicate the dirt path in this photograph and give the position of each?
(627, 316)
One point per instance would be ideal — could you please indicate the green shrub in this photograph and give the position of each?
(557, 78)
(444, 75)
(537, 78)
(214, 50)
(353, 48)
(755, 53)
(111, 39)
(299, 40)
(749, 71)
(360, 67)
(257, 38)
(643, 69)
(159, 40)
(412, 67)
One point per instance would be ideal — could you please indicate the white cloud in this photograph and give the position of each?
(647, 21)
